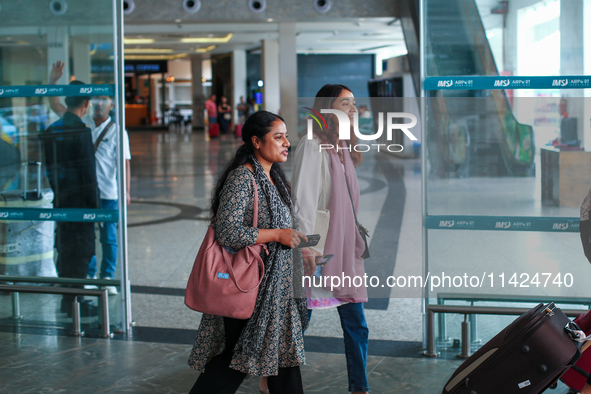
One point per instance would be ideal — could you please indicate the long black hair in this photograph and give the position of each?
(257, 125)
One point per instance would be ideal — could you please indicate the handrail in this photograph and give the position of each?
(469, 310)
(505, 298)
(512, 298)
(102, 294)
(59, 281)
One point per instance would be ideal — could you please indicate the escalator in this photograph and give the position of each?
(465, 137)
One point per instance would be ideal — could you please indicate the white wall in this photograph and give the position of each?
(179, 69)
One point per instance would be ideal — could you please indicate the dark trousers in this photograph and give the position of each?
(75, 247)
(219, 378)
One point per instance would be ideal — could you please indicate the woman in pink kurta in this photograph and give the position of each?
(319, 181)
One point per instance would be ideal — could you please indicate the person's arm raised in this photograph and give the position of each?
(57, 71)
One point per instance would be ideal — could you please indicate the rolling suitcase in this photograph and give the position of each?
(527, 357)
(26, 247)
(214, 130)
(238, 131)
(576, 377)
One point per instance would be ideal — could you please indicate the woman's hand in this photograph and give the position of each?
(289, 237)
(286, 236)
(586, 389)
(310, 255)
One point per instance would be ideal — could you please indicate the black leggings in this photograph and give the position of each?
(219, 378)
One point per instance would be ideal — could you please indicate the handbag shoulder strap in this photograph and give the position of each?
(350, 197)
(102, 135)
(255, 209)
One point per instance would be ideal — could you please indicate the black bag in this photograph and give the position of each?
(362, 230)
(527, 357)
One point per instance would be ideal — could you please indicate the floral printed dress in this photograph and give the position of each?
(283, 344)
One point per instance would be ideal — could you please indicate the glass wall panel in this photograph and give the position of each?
(57, 76)
(507, 141)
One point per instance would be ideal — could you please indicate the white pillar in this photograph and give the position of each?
(81, 52)
(238, 80)
(587, 55)
(288, 73)
(58, 49)
(270, 73)
(197, 97)
(572, 58)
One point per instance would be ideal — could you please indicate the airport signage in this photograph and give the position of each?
(57, 90)
(502, 223)
(504, 82)
(59, 215)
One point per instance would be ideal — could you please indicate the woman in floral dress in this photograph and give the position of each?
(270, 343)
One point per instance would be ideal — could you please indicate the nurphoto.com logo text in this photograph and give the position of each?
(345, 129)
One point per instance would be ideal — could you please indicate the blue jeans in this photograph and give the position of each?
(108, 232)
(356, 335)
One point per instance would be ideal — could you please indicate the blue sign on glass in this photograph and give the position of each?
(473, 82)
(503, 223)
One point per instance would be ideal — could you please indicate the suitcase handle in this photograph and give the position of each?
(36, 194)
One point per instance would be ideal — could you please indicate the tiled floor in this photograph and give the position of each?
(172, 176)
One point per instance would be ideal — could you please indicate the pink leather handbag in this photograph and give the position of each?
(226, 284)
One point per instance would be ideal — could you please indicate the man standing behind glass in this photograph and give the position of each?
(105, 137)
(106, 157)
(71, 170)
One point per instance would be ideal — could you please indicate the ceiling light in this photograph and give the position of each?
(207, 39)
(206, 49)
(148, 50)
(270, 20)
(131, 41)
(155, 57)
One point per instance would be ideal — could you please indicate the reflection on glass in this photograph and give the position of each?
(487, 159)
(47, 152)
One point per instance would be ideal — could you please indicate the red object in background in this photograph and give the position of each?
(572, 378)
(562, 108)
(214, 130)
(238, 131)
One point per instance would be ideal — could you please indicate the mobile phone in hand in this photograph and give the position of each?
(312, 241)
(321, 260)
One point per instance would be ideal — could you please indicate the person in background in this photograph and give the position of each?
(105, 138)
(241, 107)
(224, 114)
(71, 170)
(321, 179)
(212, 109)
(250, 107)
(271, 342)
